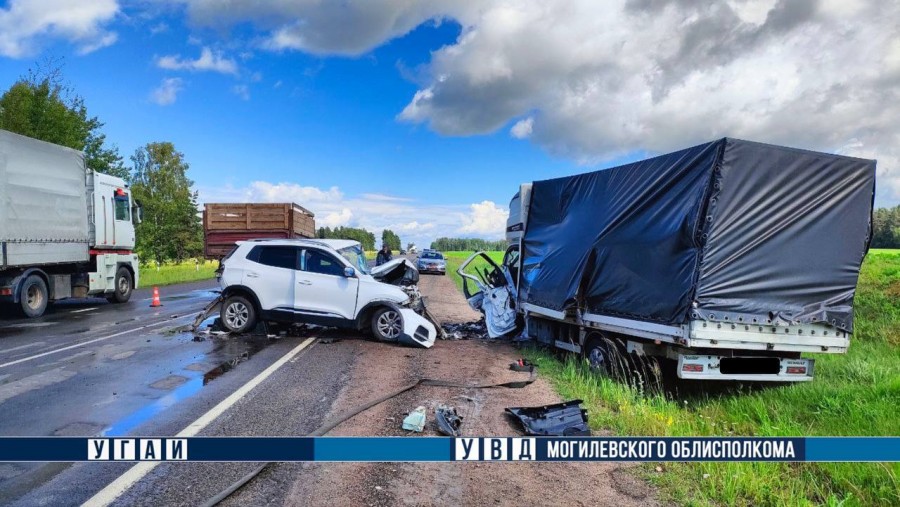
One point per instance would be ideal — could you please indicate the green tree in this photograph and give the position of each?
(468, 244)
(364, 237)
(171, 229)
(389, 238)
(42, 106)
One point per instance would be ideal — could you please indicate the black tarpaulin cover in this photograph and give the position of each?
(744, 230)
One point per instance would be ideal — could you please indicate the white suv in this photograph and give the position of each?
(326, 282)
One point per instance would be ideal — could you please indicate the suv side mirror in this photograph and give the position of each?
(349, 272)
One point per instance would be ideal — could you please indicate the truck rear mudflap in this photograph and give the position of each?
(748, 369)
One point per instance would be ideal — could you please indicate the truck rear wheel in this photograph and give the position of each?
(604, 356)
(124, 286)
(34, 296)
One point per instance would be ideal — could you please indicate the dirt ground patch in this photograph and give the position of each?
(383, 367)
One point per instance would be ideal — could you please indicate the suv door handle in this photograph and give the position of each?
(304, 282)
(252, 275)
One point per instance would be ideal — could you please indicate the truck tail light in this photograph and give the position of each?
(6, 291)
(796, 370)
(697, 368)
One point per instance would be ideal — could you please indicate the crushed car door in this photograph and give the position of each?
(494, 293)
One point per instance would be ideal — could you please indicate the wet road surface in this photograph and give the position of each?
(92, 368)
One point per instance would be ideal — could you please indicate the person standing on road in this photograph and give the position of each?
(384, 255)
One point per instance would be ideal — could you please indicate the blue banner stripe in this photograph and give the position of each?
(383, 449)
(853, 449)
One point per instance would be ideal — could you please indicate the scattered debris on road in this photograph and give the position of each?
(521, 365)
(561, 419)
(448, 420)
(472, 330)
(415, 421)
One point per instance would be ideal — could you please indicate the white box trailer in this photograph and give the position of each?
(65, 231)
(731, 258)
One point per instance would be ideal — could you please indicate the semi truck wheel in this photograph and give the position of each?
(124, 287)
(238, 314)
(34, 296)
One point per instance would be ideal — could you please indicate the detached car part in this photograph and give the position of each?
(495, 296)
(415, 421)
(448, 420)
(562, 419)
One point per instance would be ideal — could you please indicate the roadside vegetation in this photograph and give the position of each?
(455, 260)
(856, 394)
(180, 272)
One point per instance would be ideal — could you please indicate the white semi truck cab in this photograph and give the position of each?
(65, 231)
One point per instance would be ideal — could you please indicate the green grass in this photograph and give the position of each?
(455, 259)
(853, 394)
(168, 274)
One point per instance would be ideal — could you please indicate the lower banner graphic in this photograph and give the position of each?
(263, 449)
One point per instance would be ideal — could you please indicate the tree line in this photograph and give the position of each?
(886, 228)
(467, 244)
(366, 238)
(43, 106)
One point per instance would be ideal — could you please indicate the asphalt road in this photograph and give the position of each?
(92, 368)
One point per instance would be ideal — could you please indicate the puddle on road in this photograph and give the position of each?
(236, 349)
(191, 295)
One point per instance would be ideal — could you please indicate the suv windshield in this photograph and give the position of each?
(357, 258)
(432, 255)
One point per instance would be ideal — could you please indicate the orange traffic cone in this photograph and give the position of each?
(155, 302)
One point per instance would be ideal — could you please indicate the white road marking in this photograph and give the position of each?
(115, 489)
(26, 346)
(95, 340)
(83, 310)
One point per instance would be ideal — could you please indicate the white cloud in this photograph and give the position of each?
(159, 28)
(25, 25)
(595, 80)
(350, 27)
(414, 221)
(106, 40)
(167, 91)
(485, 219)
(523, 128)
(335, 218)
(242, 91)
(602, 80)
(209, 60)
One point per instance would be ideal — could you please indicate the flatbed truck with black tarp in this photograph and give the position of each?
(732, 259)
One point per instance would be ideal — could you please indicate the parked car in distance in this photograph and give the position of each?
(325, 282)
(432, 261)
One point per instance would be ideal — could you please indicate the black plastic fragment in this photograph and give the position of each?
(562, 419)
(448, 420)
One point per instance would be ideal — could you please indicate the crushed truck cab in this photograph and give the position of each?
(731, 259)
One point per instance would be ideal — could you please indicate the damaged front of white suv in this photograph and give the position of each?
(420, 328)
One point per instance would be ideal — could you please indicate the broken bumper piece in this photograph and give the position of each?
(417, 330)
(562, 419)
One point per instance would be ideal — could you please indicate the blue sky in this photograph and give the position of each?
(424, 117)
